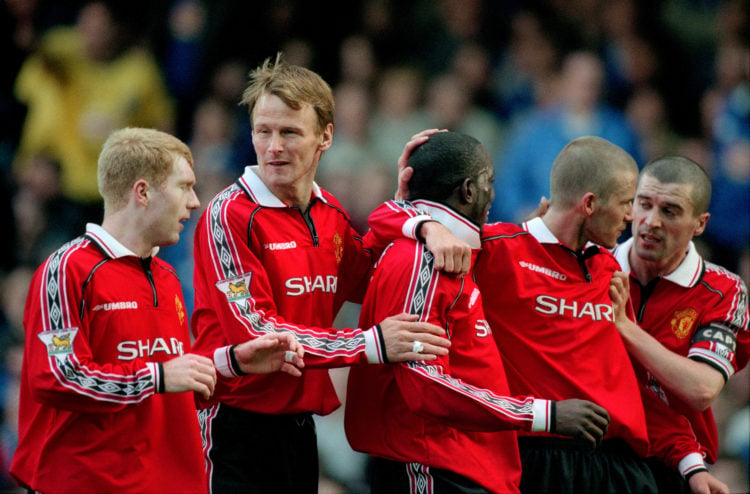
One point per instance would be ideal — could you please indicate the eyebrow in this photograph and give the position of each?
(667, 204)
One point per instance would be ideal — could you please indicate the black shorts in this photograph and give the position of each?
(395, 477)
(255, 453)
(568, 466)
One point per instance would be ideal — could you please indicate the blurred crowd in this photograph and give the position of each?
(523, 77)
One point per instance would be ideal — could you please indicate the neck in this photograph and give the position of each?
(567, 226)
(646, 271)
(124, 228)
(298, 196)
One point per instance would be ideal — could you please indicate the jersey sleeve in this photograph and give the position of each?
(723, 339)
(671, 437)
(392, 220)
(61, 367)
(429, 388)
(234, 301)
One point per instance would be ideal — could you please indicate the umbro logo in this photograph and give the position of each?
(280, 245)
(541, 269)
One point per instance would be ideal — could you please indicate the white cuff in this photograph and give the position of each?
(154, 368)
(373, 350)
(409, 228)
(222, 361)
(541, 410)
(690, 463)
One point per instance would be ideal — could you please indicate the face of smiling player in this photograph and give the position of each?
(288, 144)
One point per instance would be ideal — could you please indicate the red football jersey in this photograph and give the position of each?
(454, 413)
(99, 321)
(552, 319)
(262, 266)
(699, 311)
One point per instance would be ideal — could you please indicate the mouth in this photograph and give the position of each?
(649, 238)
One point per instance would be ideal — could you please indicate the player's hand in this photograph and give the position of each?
(405, 172)
(451, 254)
(581, 419)
(705, 483)
(270, 353)
(619, 293)
(190, 372)
(401, 331)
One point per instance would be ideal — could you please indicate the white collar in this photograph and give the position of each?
(539, 231)
(110, 244)
(687, 274)
(261, 194)
(459, 225)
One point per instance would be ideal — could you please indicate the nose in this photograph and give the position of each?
(193, 201)
(629, 212)
(276, 143)
(652, 218)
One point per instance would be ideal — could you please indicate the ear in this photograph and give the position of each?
(468, 191)
(141, 192)
(326, 138)
(702, 221)
(589, 203)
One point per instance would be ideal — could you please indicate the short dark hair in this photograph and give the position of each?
(442, 163)
(682, 170)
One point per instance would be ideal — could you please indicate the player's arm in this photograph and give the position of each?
(430, 389)
(233, 284)
(63, 372)
(399, 218)
(672, 440)
(695, 382)
(396, 219)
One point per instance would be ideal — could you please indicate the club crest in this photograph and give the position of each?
(338, 247)
(180, 308)
(682, 322)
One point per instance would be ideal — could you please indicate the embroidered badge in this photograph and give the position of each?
(180, 309)
(236, 289)
(682, 322)
(59, 342)
(338, 247)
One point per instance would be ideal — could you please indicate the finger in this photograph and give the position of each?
(426, 328)
(588, 438)
(443, 262)
(437, 350)
(203, 390)
(405, 316)
(205, 378)
(466, 262)
(290, 369)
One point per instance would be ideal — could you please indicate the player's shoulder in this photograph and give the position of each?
(501, 231)
(333, 203)
(720, 278)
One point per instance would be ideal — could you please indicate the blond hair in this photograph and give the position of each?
(131, 154)
(294, 85)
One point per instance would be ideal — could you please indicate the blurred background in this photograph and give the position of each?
(654, 76)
